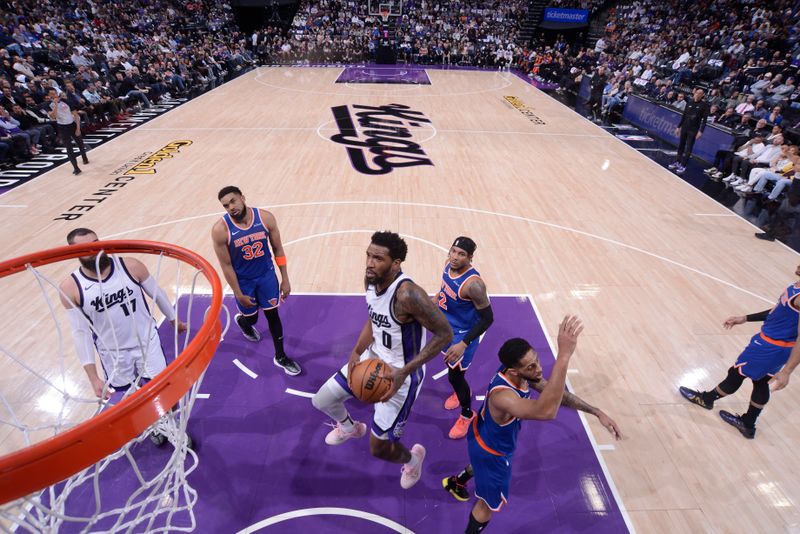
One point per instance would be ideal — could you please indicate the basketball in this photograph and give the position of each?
(367, 380)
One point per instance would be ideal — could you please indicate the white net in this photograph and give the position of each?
(45, 391)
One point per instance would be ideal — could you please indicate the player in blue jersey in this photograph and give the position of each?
(762, 359)
(493, 436)
(463, 300)
(242, 240)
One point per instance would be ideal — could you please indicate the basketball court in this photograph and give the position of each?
(567, 218)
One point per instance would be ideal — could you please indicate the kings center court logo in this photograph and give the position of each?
(381, 139)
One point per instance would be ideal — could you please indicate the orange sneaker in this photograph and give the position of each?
(461, 427)
(451, 403)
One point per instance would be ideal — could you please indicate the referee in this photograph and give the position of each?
(693, 122)
(68, 124)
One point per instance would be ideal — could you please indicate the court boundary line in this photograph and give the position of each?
(674, 176)
(243, 368)
(299, 393)
(595, 447)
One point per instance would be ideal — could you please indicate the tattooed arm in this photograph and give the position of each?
(413, 304)
(570, 400)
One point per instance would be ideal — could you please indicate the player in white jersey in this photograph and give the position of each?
(398, 311)
(107, 311)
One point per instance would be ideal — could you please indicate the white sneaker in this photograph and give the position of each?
(338, 435)
(410, 475)
(737, 182)
(730, 178)
(674, 165)
(710, 170)
(744, 188)
(717, 175)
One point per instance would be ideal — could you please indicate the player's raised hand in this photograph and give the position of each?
(733, 320)
(568, 332)
(181, 326)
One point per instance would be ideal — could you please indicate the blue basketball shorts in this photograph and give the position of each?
(264, 289)
(761, 358)
(469, 353)
(492, 473)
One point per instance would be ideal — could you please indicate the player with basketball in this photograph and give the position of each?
(398, 310)
(464, 302)
(763, 361)
(107, 312)
(242, 239)
(493, 437)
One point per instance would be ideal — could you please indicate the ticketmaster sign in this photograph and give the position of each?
(661, 122)
(555, 14)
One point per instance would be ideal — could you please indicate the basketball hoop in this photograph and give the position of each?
(384, 12)
(38, 481)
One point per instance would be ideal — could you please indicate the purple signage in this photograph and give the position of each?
(661, 122)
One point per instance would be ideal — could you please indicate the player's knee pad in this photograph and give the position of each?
(732, 382)
(761, 391)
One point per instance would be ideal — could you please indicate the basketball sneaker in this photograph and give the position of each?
(674, 165)
(451, 486)
(460, 427)
(410, 475)
(736, 421)
(290, 366)
(339, 435)
(695, 397)
(451, 403)
(249, 332)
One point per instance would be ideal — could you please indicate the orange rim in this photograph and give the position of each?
(55, 459)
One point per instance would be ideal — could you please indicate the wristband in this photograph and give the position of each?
(280, 261)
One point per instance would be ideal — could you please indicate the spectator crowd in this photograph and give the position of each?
(465, 32)
(106, 59)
